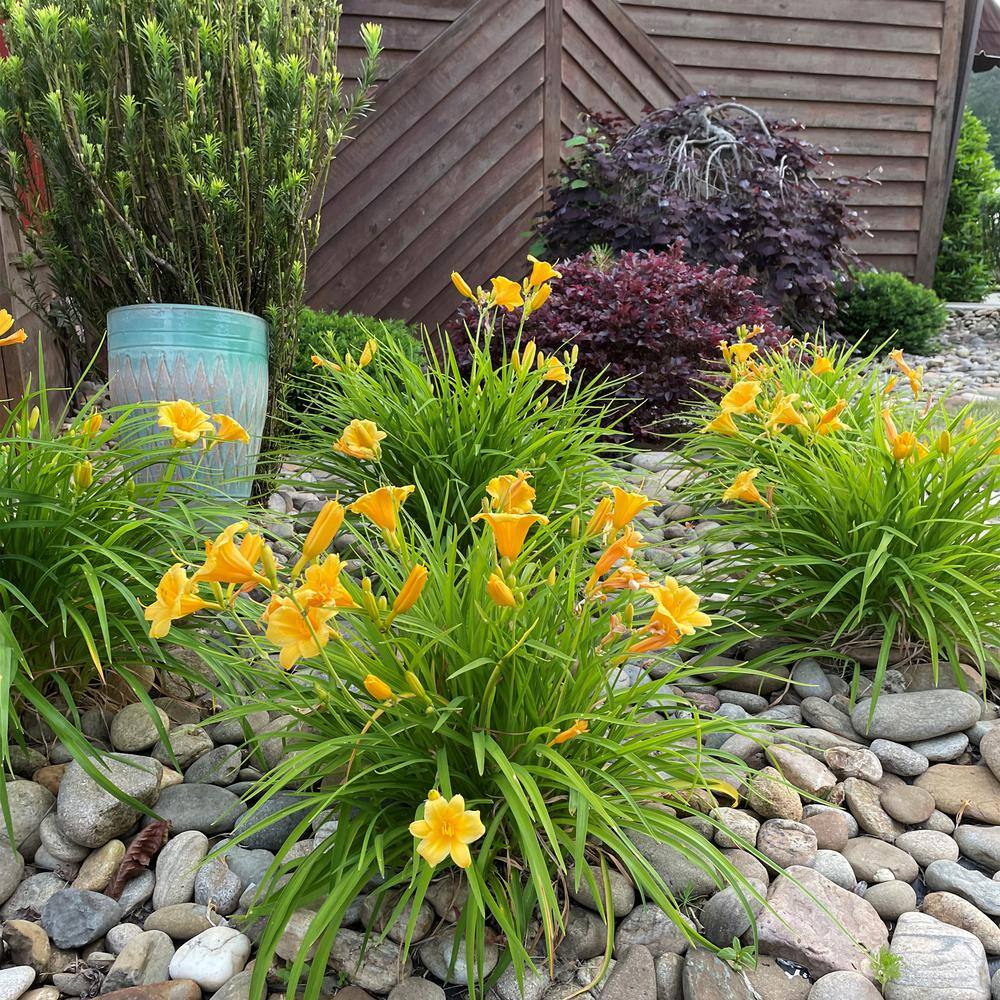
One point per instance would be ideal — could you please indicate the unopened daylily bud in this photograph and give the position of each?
(270, 566)
(377, 688)
(944, 442)
(413, 683)
(574, 528)
(33, 418)
(83, 475)
(409, 593)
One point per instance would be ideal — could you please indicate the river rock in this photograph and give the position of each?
(278, 828)
(868, 855)
(217, 885)
(942, 748)
(899, 759)
(822, 715)
(181, 989)
(706, 977)
(208, 809)
(937, 961)
(831, 827)
(844, 986)
(134, 728)
(807, 928)
(916, 715)
(989, 748)
(737, 827)
(633, 977)
(981, 844)
(834, 866)
(970, 788)
(891, 899)
(959, 912)
(90, 815)
(220, 766)
(810, 681)
(771, 797)
(864, 801)
(29, 803)
(11, 869)
(177, 867)
(787, 843)
(181, 921)
(186, 744)
(211, 958)
(681, 876)
(622, 890)
(100, 866)
(925, 846)
(802, 770)
(73, 918)
(15, 980)
(907, 804)
(846, 762)
(145, 959)
(649, 926)
(949, 876)
(58, 844)
(725, 917)
(32, 894)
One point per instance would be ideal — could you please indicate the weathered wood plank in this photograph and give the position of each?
(834, 114)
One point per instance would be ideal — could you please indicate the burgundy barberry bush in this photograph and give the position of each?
(740, 188)
(654, 319)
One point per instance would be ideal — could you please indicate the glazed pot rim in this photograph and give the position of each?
(194, 307)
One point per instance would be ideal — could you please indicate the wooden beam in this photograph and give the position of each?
(939, 165)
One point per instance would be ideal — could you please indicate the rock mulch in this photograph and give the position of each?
(966, 358)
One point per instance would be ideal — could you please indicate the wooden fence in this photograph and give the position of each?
(451, 168)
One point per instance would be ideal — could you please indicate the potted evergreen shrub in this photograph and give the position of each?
(181, 146)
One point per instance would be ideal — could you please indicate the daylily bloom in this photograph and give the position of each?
(225, 562)
(601, 518)
(541, 271)
(659, 633)
(538, 298)
(623, 547)
(230, 430)
(577, 729)
(903, 444)
(323, 530)
(821, 365)
(522, 363)
(743, 489)
(506, 293)
(741, 398)
(511, 494)
(92, 424)
(360, 439)
(499, 593)
(915, 376)
(187, 423)
(176, 597)
(447, 829)
(742, 352)
(377, 688)
(889, 385)
(510, 530)
(9, 339)
(381, 506)
(628, 577)
(368, 352)
(679, 605)
(82, 475)
(319, 362)
(409, 593)
(555, 370)
(783, 413)
(296, 634)
(830, 420)
(321, 585)
(722, 424)
(463, 286)
(627, 505)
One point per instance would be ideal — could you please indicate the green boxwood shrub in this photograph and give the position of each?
(331, 333)
(964, 270)
(884, 308)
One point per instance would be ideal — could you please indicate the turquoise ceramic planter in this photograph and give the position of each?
(216, 358)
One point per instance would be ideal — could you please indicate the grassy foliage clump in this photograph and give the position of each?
(860, 513)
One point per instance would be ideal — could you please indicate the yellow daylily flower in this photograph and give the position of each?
(723, 424)
(830, 420)
(902, 444)
(368, 352)
(510, 530)
(741, 398)
(323, 531)
(463, 286)
(377, 688)
(360, 439)
(627, 577)
(783, 413)
(601, 518)
(658, 633)
(9, 339)
(627, 505)
(741, 352)
(447, 829)
(499, 593)
(92, 425)
(541, 272)
(298, 635)
(506, 293)
(321, 585)
(538, 298)
(555, 370)
(410, 592)
(230, 430)
(225, 562)
(511, 494)
(680, 606)
(187, 423)
(743, 488)
(381, 506)
(176, 597)
(577, 729)
(622, 548)
(821, 365)
(915, 376)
